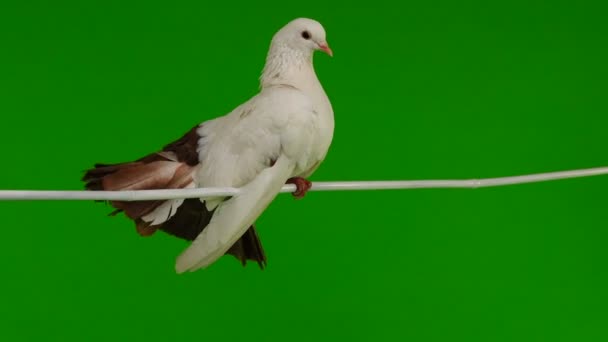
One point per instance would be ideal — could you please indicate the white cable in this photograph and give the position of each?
(141, 195)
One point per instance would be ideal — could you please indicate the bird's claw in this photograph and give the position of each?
(302, 186)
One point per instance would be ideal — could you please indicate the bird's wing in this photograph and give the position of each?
(232, 217)
(257, 148)
(235, 148)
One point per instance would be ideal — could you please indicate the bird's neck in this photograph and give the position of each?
(287, 66)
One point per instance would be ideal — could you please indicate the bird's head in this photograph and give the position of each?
(304, 35)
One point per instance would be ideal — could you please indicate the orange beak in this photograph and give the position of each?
(325, 48)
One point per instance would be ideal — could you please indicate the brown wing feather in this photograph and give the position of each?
(170, 168)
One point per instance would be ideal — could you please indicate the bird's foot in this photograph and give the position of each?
(302, 186)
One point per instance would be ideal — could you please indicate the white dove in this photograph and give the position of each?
(279, 136)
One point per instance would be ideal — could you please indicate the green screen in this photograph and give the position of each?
(420, 90)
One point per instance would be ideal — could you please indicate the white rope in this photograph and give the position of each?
(141, 195)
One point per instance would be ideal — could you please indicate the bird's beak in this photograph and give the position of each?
(325, 48)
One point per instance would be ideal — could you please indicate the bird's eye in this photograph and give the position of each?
(306, 35)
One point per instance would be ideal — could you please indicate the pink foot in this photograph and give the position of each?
(302, 186)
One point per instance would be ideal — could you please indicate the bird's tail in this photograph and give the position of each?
(152, 172)
(185, 219)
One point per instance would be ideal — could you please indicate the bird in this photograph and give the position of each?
(280, 135)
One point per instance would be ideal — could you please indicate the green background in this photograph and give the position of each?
(421, 90)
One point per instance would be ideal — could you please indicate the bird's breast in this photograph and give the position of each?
(322, 136)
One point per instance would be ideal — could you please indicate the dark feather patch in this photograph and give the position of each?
(186, 148)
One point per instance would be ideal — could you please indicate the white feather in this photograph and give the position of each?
(165, 211)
